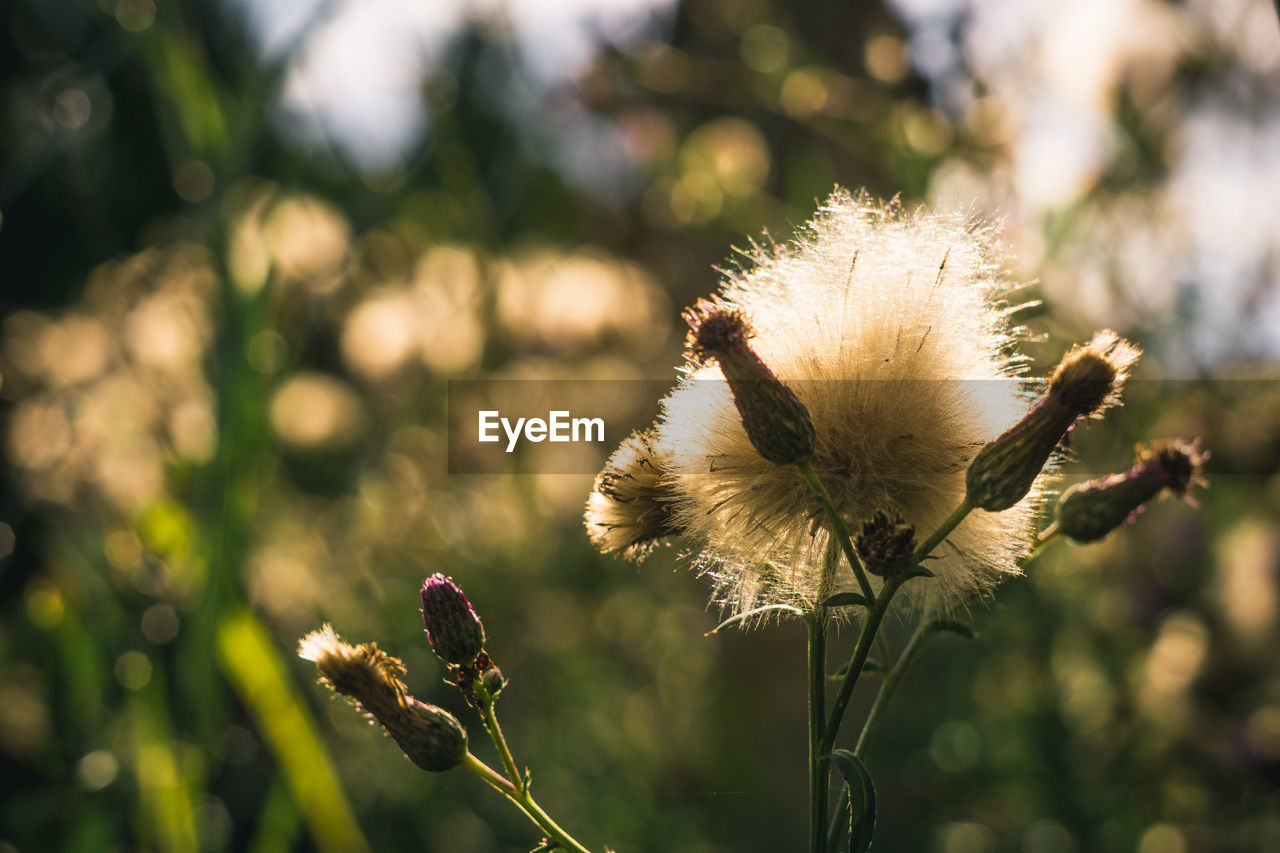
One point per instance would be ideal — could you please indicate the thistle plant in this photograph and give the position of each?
(851, 435)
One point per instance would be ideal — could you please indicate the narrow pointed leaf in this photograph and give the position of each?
(862, 799)
(872, 665)
(939, 625)
(919, 572)
(847, 599)
(733, 620)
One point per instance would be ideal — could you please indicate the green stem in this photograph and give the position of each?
(889, 685)
(859, 659)
(943, 531)
(490, 719)
(817, 703)
(838, 527)
(523, 800)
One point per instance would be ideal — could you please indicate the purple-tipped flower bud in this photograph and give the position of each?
(1089, 511)
(886, 545)
(777, 423)
(430, 737)
(454, 630)
(1086, 382)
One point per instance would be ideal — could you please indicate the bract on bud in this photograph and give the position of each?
(454, 630)
(1089, 511)
(775, 420)
(430, 737)
(629, 507)
(1086, 382)
(886, 545)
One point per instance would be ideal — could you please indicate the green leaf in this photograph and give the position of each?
(847, 599)
(919, 572)
(733, 620)
(862, 799)
(939, 625)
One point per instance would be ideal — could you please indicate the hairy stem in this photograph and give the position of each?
(523, 800)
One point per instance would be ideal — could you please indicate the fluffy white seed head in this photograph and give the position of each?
(889, 327)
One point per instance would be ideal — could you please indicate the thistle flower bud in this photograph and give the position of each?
(453, 629)
(629, 507)
(886, 545)
(492, 681)
(775, 420)
(430, 737)
(1089, 511)
(1085, 383)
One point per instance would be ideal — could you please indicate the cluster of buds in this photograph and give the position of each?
(430, 737)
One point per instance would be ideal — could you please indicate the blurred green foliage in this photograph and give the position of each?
(225, 357)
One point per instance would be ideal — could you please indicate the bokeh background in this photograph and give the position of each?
(245, 244)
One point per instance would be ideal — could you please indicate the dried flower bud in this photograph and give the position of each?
(629, 507)
(430, 737)
(775, 420)
(886, 545)
(454, 630)
(1089, 511)
(1086, 382)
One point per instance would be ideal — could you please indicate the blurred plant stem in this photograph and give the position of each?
(818, 769)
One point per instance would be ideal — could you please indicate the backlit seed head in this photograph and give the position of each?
(890, 330)
(629, 507)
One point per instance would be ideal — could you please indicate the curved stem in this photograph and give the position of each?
(838, 527)
(524, 801)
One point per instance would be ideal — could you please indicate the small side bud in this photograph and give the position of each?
(1089, 511)
(430, 737)
(453, 629)
(491, 682)
(1086, 382)
(629, 507)
(777, 423)
(886, 545)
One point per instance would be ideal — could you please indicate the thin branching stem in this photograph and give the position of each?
(490, 719)
(943, 531)
(859, 659)
(523, 800)
(838, 527)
